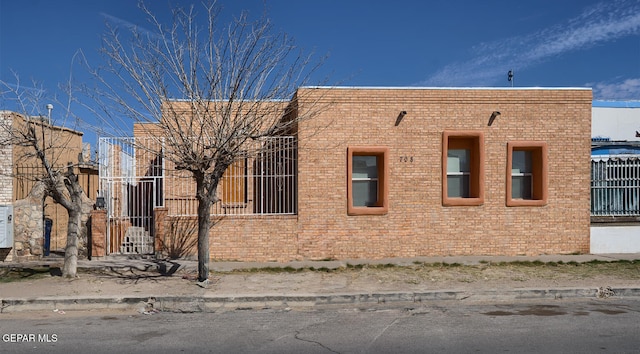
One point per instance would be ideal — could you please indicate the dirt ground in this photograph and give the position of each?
(360, 279)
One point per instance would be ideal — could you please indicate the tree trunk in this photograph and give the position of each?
(78, 207)
(203, 242)
(204, 223)
(70, 267)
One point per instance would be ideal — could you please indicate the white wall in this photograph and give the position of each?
(615, 123)
(615, 239)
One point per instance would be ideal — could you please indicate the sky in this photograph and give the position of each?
(454, 43)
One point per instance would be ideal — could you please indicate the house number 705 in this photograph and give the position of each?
(406, 158)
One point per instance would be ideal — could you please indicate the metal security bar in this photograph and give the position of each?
(615, 186)
(135, 179)
(262, 183)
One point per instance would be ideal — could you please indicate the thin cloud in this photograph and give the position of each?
(602, 23)
(118, 22)
(628, 89)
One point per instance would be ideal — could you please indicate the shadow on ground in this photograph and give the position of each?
(8, 275)
(125, 271)
(154, 270)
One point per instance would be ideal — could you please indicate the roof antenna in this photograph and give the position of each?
(510, 77)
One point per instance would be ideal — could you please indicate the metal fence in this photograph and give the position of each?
(131, 184)
(26, 175)
(135, 178)
(615, 186)
(262, 183)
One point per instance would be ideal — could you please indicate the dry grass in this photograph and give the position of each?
(423, 273)
(485, 272)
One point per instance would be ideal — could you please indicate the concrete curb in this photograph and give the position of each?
(215, 303)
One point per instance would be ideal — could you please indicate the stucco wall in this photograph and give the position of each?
(615, 239)
(615, 123)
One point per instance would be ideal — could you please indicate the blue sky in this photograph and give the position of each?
(548, 43)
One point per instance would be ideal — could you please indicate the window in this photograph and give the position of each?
(275, 182)
(365, 180)
(521, 175)
(526, 173)
(458, 172)
(462, 168)
(615, 187)
(234, 184)
(367, 174)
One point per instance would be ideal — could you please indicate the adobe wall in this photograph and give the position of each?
(417, 223)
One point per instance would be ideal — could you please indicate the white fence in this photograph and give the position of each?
(615, 185)
(131, 185)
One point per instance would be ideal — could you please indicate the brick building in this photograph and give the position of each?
(402, 172)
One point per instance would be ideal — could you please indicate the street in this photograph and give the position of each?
(551, 326)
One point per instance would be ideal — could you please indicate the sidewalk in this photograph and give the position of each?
(148, 285)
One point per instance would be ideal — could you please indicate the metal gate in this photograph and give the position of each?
(615, 185)
(131, 185)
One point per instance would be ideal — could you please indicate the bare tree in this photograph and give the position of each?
(34, 138)
(208, 87)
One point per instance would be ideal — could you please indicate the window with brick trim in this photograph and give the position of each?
(367, 180)
(462, 168)
(526, 173)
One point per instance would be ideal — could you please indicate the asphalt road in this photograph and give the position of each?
(552, 326)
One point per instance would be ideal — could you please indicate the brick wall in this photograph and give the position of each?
(417, 223)
(255, 238)
(246, 238)
(98, 232)
(6, 179)
(6, 159)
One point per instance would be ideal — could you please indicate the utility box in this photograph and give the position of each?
(6, 226)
